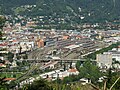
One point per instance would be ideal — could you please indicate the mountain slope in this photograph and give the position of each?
(91, 10)
(7, 5)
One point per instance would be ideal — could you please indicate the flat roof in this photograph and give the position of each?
(72, 46)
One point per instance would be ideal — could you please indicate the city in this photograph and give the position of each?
(66, 55)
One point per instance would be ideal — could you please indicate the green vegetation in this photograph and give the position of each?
(90, 71)
(72, 86)
(10, 56)
(19, 9)
(44, 85)
(2, 22)
(93, 10)
(87, 69)
(3, 85)
(10, 74)
(112, 77)
(38, 85)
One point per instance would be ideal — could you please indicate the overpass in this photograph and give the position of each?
(59, 60)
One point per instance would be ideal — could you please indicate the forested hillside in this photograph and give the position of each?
(90, 10)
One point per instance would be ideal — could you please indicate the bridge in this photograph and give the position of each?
(59, 60)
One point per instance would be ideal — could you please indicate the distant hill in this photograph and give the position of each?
(7, 5)
(13, 3)
(88, 10)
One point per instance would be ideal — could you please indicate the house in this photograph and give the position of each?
(40, 43)
(65, 37)
(2, 65)
(9, 79)
(84, 81)
(73, 71)
(14, 64)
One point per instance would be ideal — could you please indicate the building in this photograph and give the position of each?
(2, 65)
(40, 43)
(104, 60)
(65, 37)
(73, 71)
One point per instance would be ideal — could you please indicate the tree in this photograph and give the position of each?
(64, 66)
(78, 64)
(2, 22)
(25, 56)
(115, 64)
(112, 77)
(10, 56)
(89, 70)
(71, 78)
(38, 85)
(3, 84)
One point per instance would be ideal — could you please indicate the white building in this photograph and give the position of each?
(104, 60)
(116, 56)
(115, 52)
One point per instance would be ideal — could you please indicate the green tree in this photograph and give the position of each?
(78, 64)
(3, 85)
(38, 85)
(89, 70)
(25, 56)
(112, 76)
(10, 56)
(2, 22)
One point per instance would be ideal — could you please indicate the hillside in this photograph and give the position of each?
(88, 10)
(8, 5)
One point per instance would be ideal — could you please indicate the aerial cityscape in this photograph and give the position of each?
(59, 45)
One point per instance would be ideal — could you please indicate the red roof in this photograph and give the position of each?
(2, 44)
(8, 79)
(2, 65)
(14, 40)
(72, 70)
